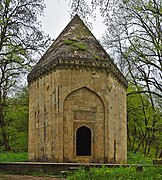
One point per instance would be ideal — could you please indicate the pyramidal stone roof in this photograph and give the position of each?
(76, 47)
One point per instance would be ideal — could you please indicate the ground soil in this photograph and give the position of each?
(26, 177)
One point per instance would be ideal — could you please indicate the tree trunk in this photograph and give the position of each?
(5, 140)
(157, 152)
(3, 128)
(148, 150)
(138, 147)
(142, 141)
(160, 156)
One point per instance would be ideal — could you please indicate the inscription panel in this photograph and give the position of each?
(84, 115)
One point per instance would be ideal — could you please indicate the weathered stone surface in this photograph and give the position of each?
(76, 47)
(69, 90)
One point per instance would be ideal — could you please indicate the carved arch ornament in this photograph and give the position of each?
(84, 87)
(80, 101)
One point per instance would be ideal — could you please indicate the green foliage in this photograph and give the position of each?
(17, 121)
(21, 39)
(13, 157)
(78, 45)
(19, 141)
(144, 122)
(117, 173)
(138, 158)
(125, 1)
(131, 172)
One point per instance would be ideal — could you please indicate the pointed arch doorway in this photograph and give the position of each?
(83, 141)
(83, 111)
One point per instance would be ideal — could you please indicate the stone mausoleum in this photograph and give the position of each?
(77, 102)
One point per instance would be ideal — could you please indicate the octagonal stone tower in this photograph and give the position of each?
(77, 102)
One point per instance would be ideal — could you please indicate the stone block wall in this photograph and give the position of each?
(66, 99)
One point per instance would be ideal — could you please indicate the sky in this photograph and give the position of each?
(57, 16)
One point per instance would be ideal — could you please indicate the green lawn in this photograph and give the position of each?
(148, 173)
(138, 158)
(121, 173)
(13, 157)
(23, 156)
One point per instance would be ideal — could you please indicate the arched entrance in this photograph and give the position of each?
(83, 141)
(83, 126)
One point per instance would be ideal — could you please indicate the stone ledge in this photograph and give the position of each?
(77, 63)
(26, 167)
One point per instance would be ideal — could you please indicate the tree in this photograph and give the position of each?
(134, 35)
(134, 40)
(16, 120)
(144, 123)
(20, 40)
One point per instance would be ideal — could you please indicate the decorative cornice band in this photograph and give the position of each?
(77, 63)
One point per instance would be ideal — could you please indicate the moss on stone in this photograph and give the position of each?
(74, 43)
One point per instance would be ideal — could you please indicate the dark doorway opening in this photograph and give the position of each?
(83, 141)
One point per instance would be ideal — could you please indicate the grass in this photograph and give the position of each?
(13, 157)
(148, 173)
(121, 173)
(138, 158)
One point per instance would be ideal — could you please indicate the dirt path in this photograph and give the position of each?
(25, 177)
